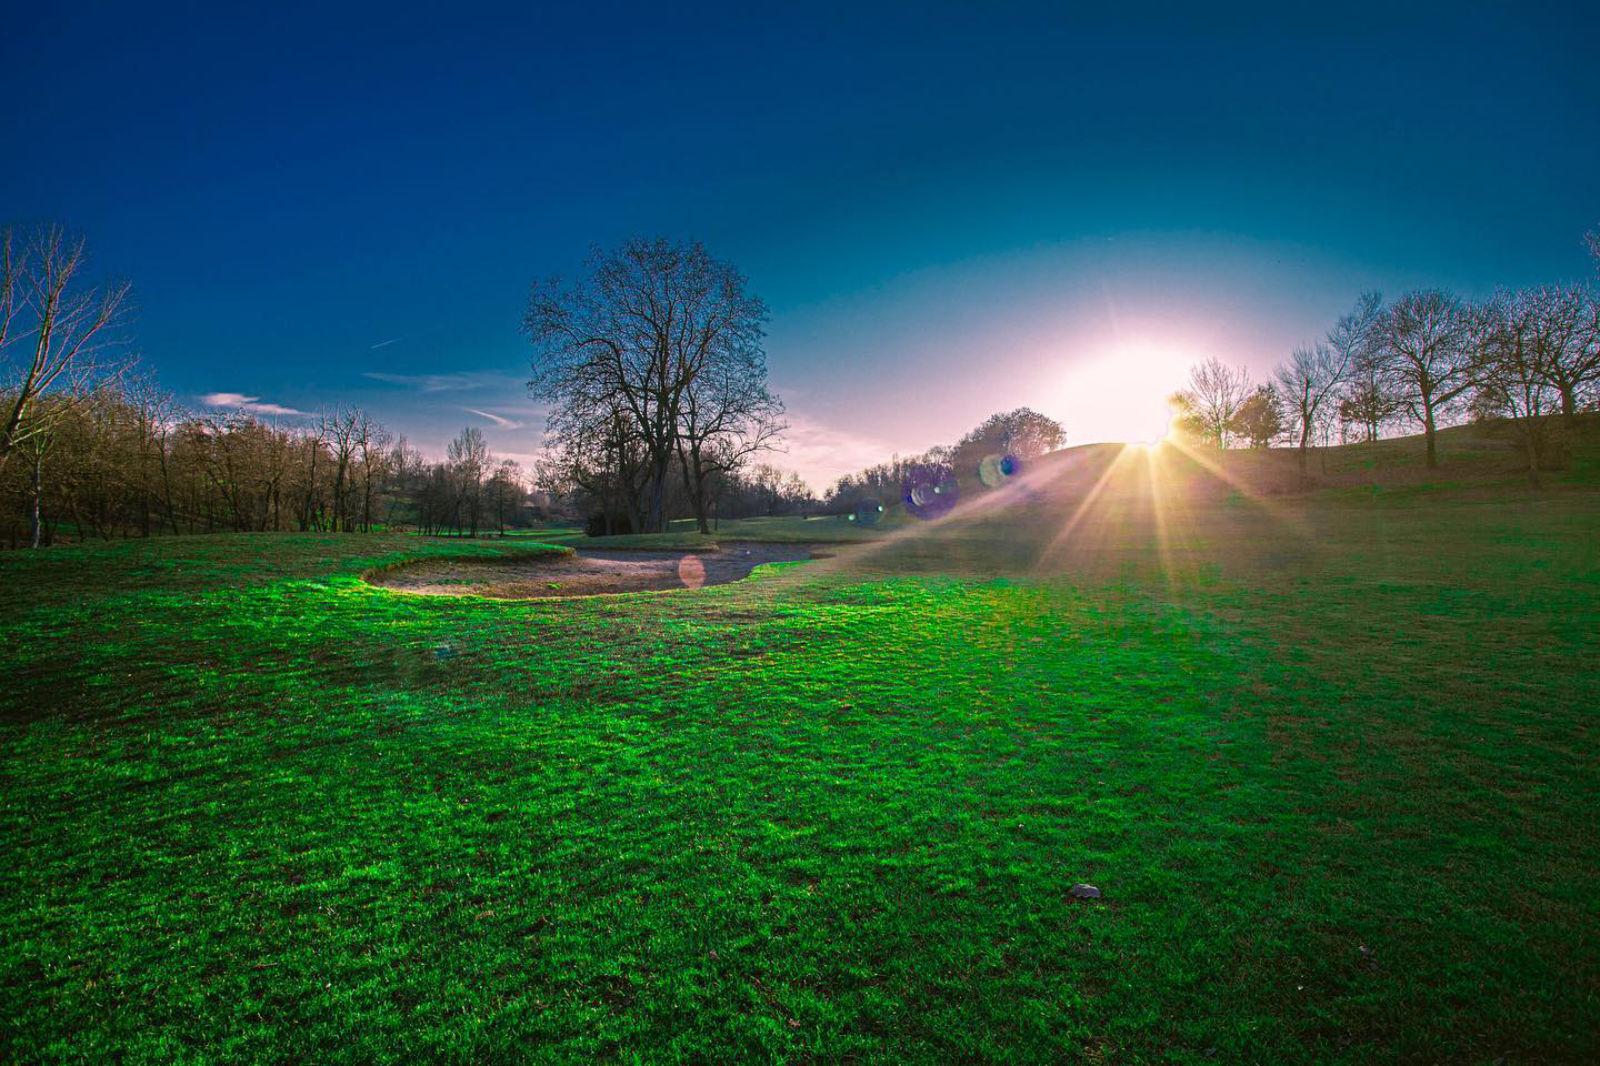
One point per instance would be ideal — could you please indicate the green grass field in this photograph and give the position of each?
(1330, 758)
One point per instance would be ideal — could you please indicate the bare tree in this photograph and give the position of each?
(11, 267)
(1208, 406)
(313, 444)
(1425, 355)
(1366, 399)
(597, 454)
(340, 430)
(635, 335)
(1507, 369)
(506, 492)
(75, 346)
(469, 463)
(1563, 323)
(1306, 382)
(372, 455)
(1311, 378)
(727, 416)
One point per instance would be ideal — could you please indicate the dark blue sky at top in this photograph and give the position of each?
(949, 211)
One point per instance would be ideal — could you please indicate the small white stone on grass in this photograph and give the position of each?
(1082, 891)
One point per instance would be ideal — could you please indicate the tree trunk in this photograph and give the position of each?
(1569, 404)
(694, 486)
(38, 491)
(1427, 434)
(655, 519)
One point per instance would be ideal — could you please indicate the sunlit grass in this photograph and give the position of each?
(1330, 766)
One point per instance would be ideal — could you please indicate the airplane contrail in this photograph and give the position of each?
(385, 344)
(503, 423)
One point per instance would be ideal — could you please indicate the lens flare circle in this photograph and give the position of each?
(996, 470)
(930, 491)
(867, 513)
(692, 572)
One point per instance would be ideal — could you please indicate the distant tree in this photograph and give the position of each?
(1023, 434)
(1563, 324)
(405, 477)
(1207, 407)
(1365, 398)
(1508, 372)
(506, 493)
(635, 335)
(1259, 419)
(371, 455)
(469, 463)
(1310, 380)
(1366, 403)
(1307, 382)
(341, 429)
(1424, 352)
(71, 329)
(594, 458)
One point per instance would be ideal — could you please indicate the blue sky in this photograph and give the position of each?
(950, 210)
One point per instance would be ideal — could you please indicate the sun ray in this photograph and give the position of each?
(1085, 506)
(1158, 517)
(1248, 493)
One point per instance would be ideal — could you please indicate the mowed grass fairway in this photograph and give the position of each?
(1331, 760)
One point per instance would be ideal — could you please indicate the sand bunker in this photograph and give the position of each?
(590, 572)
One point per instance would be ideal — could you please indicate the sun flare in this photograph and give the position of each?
(1122, 395)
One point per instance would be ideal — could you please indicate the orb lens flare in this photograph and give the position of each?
(930, 491)
(692, 572)
(996, 470)
(867, 513)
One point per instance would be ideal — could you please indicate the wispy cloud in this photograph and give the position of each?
(385, 344)
(499, 420)
(425, 382)
(250, 405)
(447, 382)
(821, 453)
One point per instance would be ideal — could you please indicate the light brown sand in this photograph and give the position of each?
(591, 572)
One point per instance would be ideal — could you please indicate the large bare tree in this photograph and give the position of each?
(1425, 355)
(635, 335)
(64, 329)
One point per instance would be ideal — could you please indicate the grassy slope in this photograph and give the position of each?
(682, 534)
(247, 804)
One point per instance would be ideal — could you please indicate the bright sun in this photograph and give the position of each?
(1122, 395)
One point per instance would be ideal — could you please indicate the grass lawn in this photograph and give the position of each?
(1330, 759)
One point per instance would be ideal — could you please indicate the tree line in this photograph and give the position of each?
(655, 361)
(128, 461)
(90, 445)
(988, 456)
(1529, 358)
